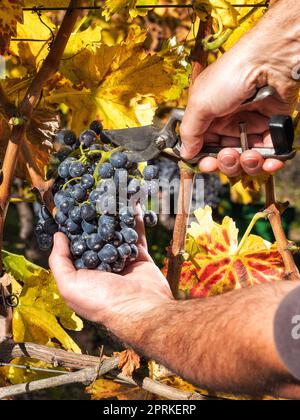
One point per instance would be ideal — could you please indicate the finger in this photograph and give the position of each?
(272, 165)
(60, 261)
(229, 162)
(208, 165)
(230, 126)
(192, 130)
(140, 226)
(252, 162)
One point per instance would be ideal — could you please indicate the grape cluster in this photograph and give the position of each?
(95, 195)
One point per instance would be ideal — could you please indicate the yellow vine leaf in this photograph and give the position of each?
(108, 389)
(244, 27)
(41, 315)
(11, 14)
(19, 376)
(120, 84)
(32, 54)
(221, 10)
(112, 7)
(217, 263)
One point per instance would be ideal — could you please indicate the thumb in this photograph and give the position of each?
(192, 130)
(60, 261)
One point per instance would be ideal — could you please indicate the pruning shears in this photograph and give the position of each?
(148, 142)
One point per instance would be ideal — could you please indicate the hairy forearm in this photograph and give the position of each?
(223, 343)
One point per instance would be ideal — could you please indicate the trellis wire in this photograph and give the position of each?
(26, 367)
(144, 6)
(38, 10)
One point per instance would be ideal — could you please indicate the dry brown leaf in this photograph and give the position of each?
(129, 362)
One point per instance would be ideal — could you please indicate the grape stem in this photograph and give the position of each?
(70, 181)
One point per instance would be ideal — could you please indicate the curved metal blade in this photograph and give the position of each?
(139, 142)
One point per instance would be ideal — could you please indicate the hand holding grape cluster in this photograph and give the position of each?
(95, 195)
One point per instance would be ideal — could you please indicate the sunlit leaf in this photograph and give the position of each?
(11, 14)
(114, 84)
(32, 54)
(126, 6)
(217, 263)
(108, 389)
(41, 313)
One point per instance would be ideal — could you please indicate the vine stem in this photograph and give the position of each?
(274, 215)
(88, 368)
(47, 70)
(176, 250)
(199, 59)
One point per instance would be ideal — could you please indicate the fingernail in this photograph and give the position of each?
(229, 161)
(251, 163)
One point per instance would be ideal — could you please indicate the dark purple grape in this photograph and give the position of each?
(106, 268)
(107, 220)
(118, 266)
(67, 137)
(91, 259)
(107, 233)
(79, 264)
(97, 127)
(108, 254)
(72, 227)
(117, 240)
(87, 181)
(78, 192)
(49, 226)
(124, 251)
(78, 247)
(88, 213)
(76, 169)
(106, 171)
(128, 219)
(130, 236)
(60, 196)
(89, 227)
(66, 205)
(63, 170)
(150, 219)
(44, 213)
(150, 172)
(45, 241)
(118, 160)
(134, 253)
(134, 186)
(75, 214)
(94, 242)
(95, 195)
(87, 138)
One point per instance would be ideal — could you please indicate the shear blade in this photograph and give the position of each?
(138, 142)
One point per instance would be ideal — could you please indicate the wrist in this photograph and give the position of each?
(135, 320)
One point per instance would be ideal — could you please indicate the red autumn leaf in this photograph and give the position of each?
(217, 263)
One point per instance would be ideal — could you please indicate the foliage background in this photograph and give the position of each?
(167, 29)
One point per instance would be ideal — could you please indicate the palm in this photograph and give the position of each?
(96, 295)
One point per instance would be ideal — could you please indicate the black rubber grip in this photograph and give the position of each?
(282, 133)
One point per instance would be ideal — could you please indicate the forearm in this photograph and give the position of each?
(224, 343)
